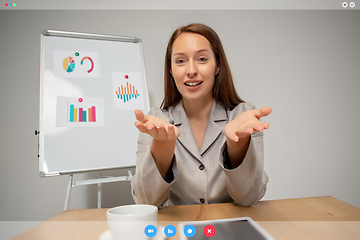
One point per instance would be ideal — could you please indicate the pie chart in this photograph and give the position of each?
(69, 64)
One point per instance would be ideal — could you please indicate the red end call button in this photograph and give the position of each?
(209, 231)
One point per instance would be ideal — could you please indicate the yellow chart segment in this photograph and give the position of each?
(69, 64)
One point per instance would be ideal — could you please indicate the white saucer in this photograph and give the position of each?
(107, 235)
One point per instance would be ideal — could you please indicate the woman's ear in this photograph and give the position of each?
(217, 71)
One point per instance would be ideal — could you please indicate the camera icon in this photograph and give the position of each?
(150, 231)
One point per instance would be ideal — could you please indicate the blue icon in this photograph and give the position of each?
(150, 231)
(189, 231)
(170, 231)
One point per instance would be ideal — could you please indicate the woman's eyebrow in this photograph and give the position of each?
(203, 50)
(199, 51)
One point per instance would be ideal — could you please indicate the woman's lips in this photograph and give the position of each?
(193, 85)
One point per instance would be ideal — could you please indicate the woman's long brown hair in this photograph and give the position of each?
(224, 91)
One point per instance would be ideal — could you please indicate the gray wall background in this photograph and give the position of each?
(305, 65)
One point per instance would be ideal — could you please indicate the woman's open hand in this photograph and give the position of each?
(156, 127)
(247, 123)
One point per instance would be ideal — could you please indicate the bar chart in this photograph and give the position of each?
(81, 114)
(127, 92)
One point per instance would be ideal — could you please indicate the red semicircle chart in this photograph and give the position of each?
(92, 63)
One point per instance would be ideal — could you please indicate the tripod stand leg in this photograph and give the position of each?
(99, 193)
(67, 198)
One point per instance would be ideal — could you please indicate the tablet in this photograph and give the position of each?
(229, 229)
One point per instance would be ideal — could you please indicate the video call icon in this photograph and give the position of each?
(150, 231)
(170, 231)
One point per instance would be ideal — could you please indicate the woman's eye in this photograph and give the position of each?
(179, 61)
(203, 59)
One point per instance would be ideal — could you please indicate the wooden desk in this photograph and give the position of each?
(302, 218)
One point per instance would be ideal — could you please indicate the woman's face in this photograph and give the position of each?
(193, 66)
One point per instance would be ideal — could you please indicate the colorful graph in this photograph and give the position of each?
(91, 61)
(69, 64)
(126, 93)
(80, 114)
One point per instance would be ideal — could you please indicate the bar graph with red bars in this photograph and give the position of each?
(82, 115)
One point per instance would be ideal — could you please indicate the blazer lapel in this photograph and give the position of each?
(215, 126)
(186, 138)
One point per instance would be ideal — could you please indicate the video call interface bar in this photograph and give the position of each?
(183, 5)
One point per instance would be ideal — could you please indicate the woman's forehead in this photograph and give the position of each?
(190, 42)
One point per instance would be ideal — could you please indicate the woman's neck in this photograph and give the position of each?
(198, 110)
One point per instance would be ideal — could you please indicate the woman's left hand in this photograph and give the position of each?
(247, 123)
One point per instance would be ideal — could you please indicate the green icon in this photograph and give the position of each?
(77, 54)
(14, 4)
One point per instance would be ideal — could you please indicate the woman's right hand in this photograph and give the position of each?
(156, 127)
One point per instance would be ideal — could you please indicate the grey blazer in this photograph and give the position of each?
(200, 176)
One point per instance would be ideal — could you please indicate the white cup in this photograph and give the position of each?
(129, 221)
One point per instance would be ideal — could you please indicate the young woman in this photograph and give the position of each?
(205, 144)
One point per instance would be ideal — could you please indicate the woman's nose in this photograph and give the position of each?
(191, 69)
